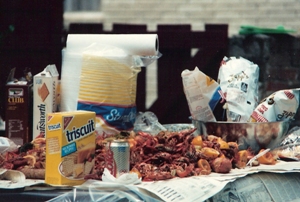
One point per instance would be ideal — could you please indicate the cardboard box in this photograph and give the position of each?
(45, 85)
(18, 114)
(70, 147)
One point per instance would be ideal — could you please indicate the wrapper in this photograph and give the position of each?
(279, 106)
(202, 94)
(238, 79)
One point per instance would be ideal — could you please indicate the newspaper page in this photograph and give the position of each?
(185, 189)
(282, 187)
(262, 187)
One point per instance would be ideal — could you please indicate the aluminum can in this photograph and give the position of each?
(117, 157)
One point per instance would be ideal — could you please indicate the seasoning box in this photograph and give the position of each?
(70, 147)
(18, 112)
(45, 87)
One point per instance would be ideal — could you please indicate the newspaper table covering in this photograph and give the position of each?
(196, 188)
(263, 186)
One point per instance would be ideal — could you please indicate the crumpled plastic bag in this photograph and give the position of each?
(148, 122)
(110, 189)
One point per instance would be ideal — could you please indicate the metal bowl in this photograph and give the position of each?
(254, 135)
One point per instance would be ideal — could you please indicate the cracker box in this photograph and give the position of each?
(70, 147)
(45, 86)
(18, 113)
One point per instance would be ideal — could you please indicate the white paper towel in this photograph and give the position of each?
(126, 178)
(70, 80)
(133, 44)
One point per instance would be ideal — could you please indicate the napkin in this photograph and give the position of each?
(126, 178)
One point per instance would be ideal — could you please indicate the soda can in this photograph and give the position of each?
(117, 157)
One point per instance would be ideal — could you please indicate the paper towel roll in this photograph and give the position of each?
(133, 44)
(77, 44)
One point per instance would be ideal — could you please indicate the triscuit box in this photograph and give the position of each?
(70, 147)
(45, 86)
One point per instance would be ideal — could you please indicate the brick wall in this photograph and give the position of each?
(263, 13)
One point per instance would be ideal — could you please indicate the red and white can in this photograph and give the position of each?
(117, 157)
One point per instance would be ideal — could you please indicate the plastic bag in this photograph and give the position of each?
(94, 190)
(148, 122)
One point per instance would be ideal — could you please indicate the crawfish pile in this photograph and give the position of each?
(174, 154)
(29, 159)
